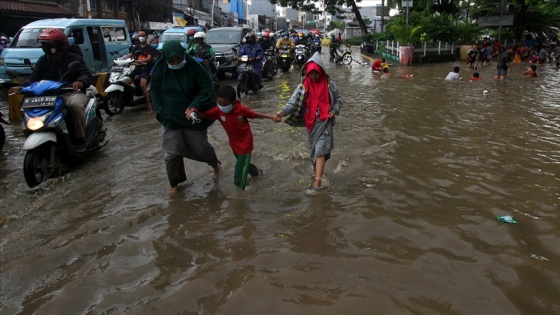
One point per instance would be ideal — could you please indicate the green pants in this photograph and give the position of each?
(243, 167)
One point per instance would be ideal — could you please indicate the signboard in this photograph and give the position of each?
(507, 20)
(407, 3)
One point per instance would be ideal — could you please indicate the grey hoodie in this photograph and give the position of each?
(294, 106)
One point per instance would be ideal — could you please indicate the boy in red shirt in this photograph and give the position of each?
(233, 117)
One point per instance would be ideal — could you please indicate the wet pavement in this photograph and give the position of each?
(420, 170)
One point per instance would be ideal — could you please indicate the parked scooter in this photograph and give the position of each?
(123, 90)
(301, 55)
(285, 60)
(270, 65)
(245, 76)
(343, 54)
(366, 47)
(2, 132)
(49, 142)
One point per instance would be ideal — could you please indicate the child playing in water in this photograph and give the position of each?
(476, 77)
(454, 75)
(233, 117)
(531, 71)
(385, 74)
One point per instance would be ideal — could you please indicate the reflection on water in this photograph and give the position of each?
(421, 169)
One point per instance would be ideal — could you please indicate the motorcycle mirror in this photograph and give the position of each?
(27, 61)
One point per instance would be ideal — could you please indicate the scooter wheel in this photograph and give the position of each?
(113, 104)
(347, 59)
(36, 165)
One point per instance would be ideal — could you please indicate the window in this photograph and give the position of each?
(122, 6)
(113, 34)
(108, 5)
(93, 4)
(78, 35)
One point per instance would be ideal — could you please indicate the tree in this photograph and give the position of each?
(332, 6)
(336, 25)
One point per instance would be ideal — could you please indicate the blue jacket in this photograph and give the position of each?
(253, 51)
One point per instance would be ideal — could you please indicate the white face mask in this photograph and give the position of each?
(226, 109)
(177, 66)
(142, 39)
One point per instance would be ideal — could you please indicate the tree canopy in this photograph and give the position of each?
(450, 20)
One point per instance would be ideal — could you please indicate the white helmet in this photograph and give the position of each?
(199, 35)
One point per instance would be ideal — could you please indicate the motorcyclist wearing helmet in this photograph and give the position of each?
(301, 39)
(285, 40)
(203, 51)
(53, 65)
(265, 41)
(266, 44)
(190, 38)
(252, 49)
(144, 56)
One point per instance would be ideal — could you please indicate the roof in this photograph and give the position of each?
(70, 22)
(44, 7)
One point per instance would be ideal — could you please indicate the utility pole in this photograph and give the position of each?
(212, 14)
(501, 17)
(88, 8)
(382, 14)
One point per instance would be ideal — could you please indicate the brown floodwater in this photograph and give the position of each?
(407, 225)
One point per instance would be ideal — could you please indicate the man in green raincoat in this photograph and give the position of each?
(179, 82)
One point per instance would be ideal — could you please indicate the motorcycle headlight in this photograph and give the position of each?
(35, 123)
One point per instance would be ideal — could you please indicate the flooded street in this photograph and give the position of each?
(420, 170)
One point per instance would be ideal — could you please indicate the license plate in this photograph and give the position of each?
(39, 101)
(117, 69)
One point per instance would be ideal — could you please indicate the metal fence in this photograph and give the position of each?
(425, 48)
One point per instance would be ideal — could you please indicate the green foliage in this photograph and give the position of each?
(439, 27)
(405, 34)
(336, 25)
(468, 33)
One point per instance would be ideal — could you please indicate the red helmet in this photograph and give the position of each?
(266, 34)
(191, 32)
(53, 38)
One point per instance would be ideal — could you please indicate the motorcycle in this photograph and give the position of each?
(334, 45)
(270, 65)
(315, 47)
(343, 54)
(301, 55)
(245, 77)
(123, 90)
(2, 132)
(49, 143)
(284, 55)
(202, 61)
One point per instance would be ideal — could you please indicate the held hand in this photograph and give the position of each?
(77, 85)
(188, 113)
(276, 118)
(331, 114)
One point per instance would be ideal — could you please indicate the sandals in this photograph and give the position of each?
(313, 191)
